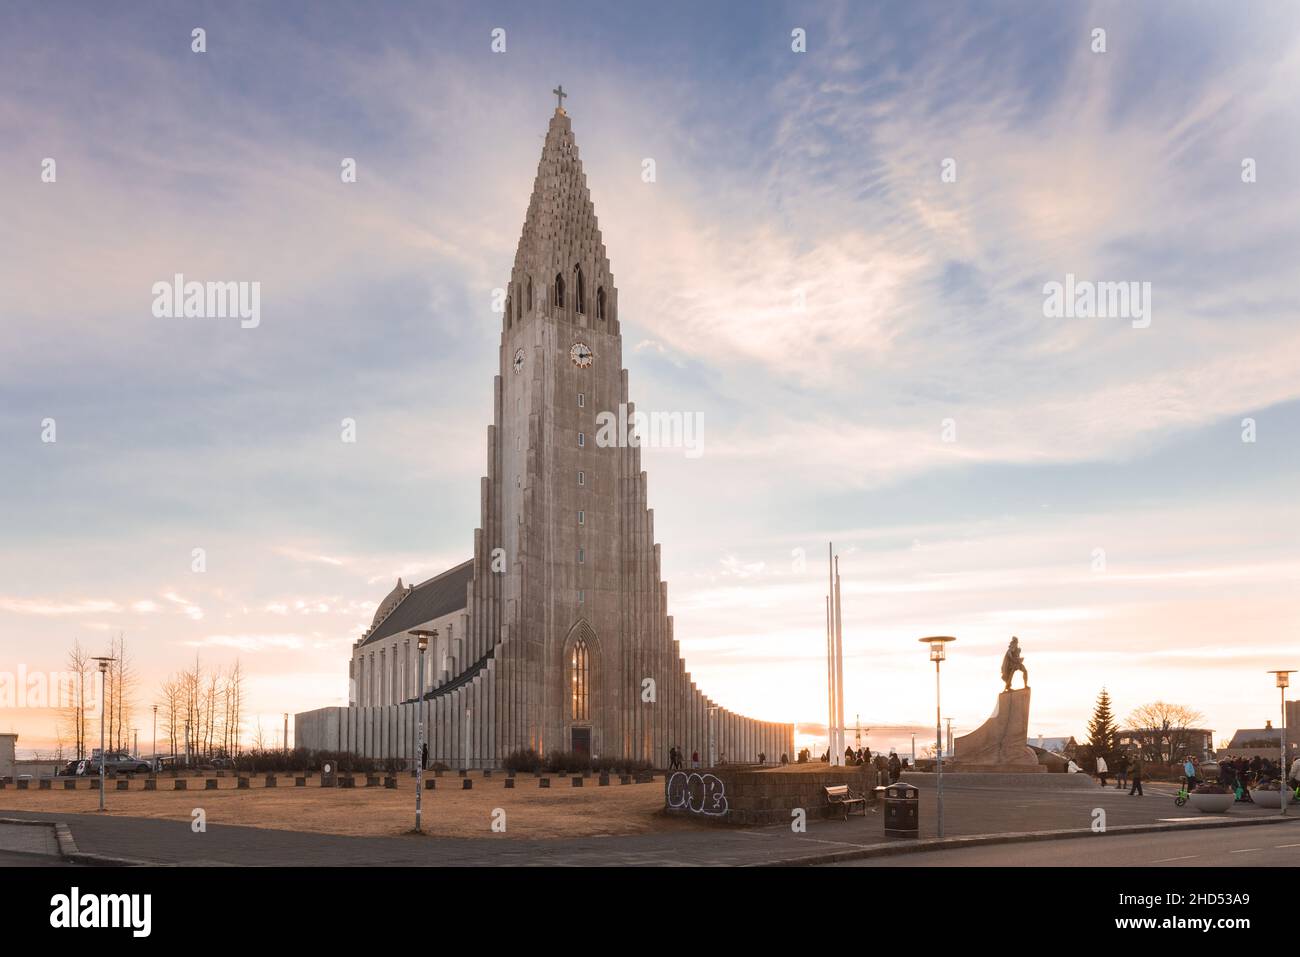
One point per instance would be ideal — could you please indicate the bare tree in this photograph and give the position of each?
(74, 713)
(1163, 731)
(173, 701)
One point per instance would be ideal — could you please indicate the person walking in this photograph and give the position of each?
(1189, 772)
(695, 759)
(1121, 772)
(895, 768)
(1102, 769)
(1135, 773)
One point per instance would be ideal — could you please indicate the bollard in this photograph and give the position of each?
(151, 784)
(430, 784)
(210, 784)
(467, 784)
(510, 783)
(543, 782)
(180, 784)
(577, 781)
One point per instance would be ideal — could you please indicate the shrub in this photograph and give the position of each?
(1210, 788)
(524, 759)
(570, 761)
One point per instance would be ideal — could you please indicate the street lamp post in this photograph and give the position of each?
(155, 738)
(103, 674)
(938, 651)
(1283, 680)
(422, 642)
(712, 757)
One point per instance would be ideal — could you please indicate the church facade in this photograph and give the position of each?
(555, 635)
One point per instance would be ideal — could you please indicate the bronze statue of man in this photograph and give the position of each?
(1012, 662)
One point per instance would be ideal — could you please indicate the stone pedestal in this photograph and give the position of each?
(1000, 743)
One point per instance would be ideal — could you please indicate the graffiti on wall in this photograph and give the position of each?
(697, 793)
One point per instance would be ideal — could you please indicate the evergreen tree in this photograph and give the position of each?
(1102, 731)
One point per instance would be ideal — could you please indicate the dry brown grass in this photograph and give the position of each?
(562, 811)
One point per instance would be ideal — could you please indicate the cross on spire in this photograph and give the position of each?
(559, 96)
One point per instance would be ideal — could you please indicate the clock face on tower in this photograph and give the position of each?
(581, 355)
(519, 361)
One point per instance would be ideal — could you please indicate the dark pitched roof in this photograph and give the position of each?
(1254, 734)
(438, 596)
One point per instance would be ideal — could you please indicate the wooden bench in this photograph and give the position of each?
(845, 797)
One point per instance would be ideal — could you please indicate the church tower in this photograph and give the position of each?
(562, 640)
(581, 603)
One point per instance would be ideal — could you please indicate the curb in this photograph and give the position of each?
(1022, 837)
(68, 847)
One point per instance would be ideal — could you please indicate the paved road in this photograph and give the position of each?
(969, 811)
(11, 859)
(1272, 846)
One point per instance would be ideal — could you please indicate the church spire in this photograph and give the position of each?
(561, 269)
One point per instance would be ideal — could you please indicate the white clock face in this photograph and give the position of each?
(581, 355)
(519, 361)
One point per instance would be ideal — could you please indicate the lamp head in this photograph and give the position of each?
(422, 638)
(938, 646)
(1283, 677)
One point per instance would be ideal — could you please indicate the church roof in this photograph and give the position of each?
(440, 595)
(561, 218)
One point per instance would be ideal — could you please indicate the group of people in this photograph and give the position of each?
(1241, 773)
(1128, 771)
(1238, 773)
(676, 758)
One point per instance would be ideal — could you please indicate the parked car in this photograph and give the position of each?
(116, 761)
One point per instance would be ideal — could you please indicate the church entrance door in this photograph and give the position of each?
(581, 741)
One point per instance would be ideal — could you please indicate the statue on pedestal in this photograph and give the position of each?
(1013, 662)
(1000, 744)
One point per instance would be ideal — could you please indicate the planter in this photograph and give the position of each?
(1211, 803)
(1271, 798)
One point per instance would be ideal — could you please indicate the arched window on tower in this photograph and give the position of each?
(580, 292)
(580, 669)
(600, 302)
(559, 291)
(509, 313)
(530, 293)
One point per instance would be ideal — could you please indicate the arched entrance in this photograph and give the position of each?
(581, 689)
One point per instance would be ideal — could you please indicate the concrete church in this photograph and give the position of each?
(556, 634)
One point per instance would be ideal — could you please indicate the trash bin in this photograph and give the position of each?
(902, 803)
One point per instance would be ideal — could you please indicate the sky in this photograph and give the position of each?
(840, 267)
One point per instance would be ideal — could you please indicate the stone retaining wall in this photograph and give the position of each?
(746, 797)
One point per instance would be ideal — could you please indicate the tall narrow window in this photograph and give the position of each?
(582, 517)
(530, 293)
(582, 555)
(600, 302)
(582, 478)
(582, 400)
(580, 292)
(582, 440)
(559, 291)
(580, 666)
(509, 314)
